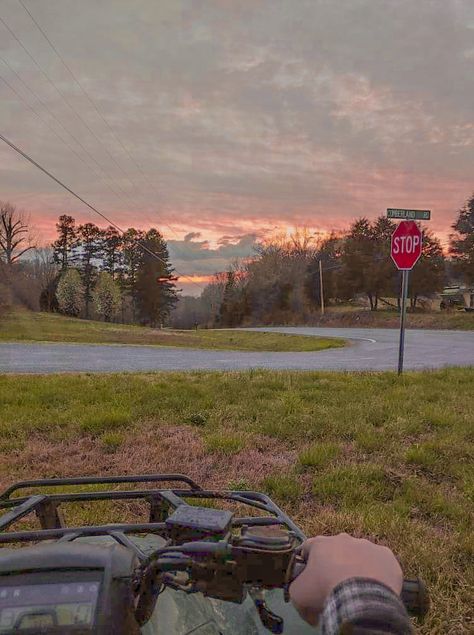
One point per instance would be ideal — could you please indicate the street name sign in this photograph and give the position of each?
(409, 214)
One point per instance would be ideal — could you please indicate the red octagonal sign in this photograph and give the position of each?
(406, 244)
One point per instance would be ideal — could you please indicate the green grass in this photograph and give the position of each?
(112, 441)
(375, 455)
(283, 487)
(26, 326)
(319, 455)
(224, 443)
(353, 485)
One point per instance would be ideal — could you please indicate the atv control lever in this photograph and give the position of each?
(271, 621)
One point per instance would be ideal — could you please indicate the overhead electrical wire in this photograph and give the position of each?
(46, 123)
(79, 143)
(120, 195)
(89, 205)
(20, 98)
(94, 105)
(50, 81)
(66, 101)
(83, 90)
(71, 148)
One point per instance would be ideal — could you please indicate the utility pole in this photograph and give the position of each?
(321, 291)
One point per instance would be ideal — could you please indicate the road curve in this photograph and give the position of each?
(369, 349)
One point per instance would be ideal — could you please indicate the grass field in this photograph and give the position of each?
(371, 454)
(353, 317)
(49, 327)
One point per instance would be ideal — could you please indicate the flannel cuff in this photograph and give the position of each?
(362, 605)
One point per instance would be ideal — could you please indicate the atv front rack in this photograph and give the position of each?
(161, 503)
(222, 555)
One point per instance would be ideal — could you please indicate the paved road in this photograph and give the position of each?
(369, 349)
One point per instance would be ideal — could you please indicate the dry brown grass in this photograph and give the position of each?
(357, 317)
(168, 449)
(176, 449)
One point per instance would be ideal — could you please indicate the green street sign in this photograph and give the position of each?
(409, 214)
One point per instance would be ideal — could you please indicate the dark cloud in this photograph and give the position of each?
(198, 257)
(192, 236)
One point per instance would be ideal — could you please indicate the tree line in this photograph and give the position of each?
(282, 283)
(88, 271)
(93, 272)
(112, 272)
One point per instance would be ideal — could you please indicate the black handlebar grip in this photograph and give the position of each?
(415, 597)
(414, 593)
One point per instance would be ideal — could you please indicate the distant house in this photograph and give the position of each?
(457, 296)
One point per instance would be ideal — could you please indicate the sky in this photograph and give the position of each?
(223, 121)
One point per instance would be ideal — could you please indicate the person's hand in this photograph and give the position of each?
(333, 559)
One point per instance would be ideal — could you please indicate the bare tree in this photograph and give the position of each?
(15, 237)
(44, 268)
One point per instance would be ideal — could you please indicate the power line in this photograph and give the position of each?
(46, 107)
(66, 101)
(94, 209)
(123, 192)
(45, 122)
(84, 91)
(93, 104)
(119, 195)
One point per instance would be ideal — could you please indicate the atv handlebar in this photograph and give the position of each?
(415, 597)
(227, 568)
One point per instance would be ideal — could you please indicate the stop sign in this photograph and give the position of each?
(406, 244)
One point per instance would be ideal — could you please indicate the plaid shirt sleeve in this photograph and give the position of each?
(361, 606)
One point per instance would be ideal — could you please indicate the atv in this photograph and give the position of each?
(201, 561)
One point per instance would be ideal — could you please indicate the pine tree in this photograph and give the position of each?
(155, 291)
(112, 256)
(462, 242)
(89, 253)
(131, 254)
(67, 241)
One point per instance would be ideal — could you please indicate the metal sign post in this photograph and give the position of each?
(401, 349)
(405, 250)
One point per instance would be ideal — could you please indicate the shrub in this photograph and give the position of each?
(70, 293)
(106, 296)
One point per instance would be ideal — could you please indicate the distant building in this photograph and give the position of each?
(459, 295)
